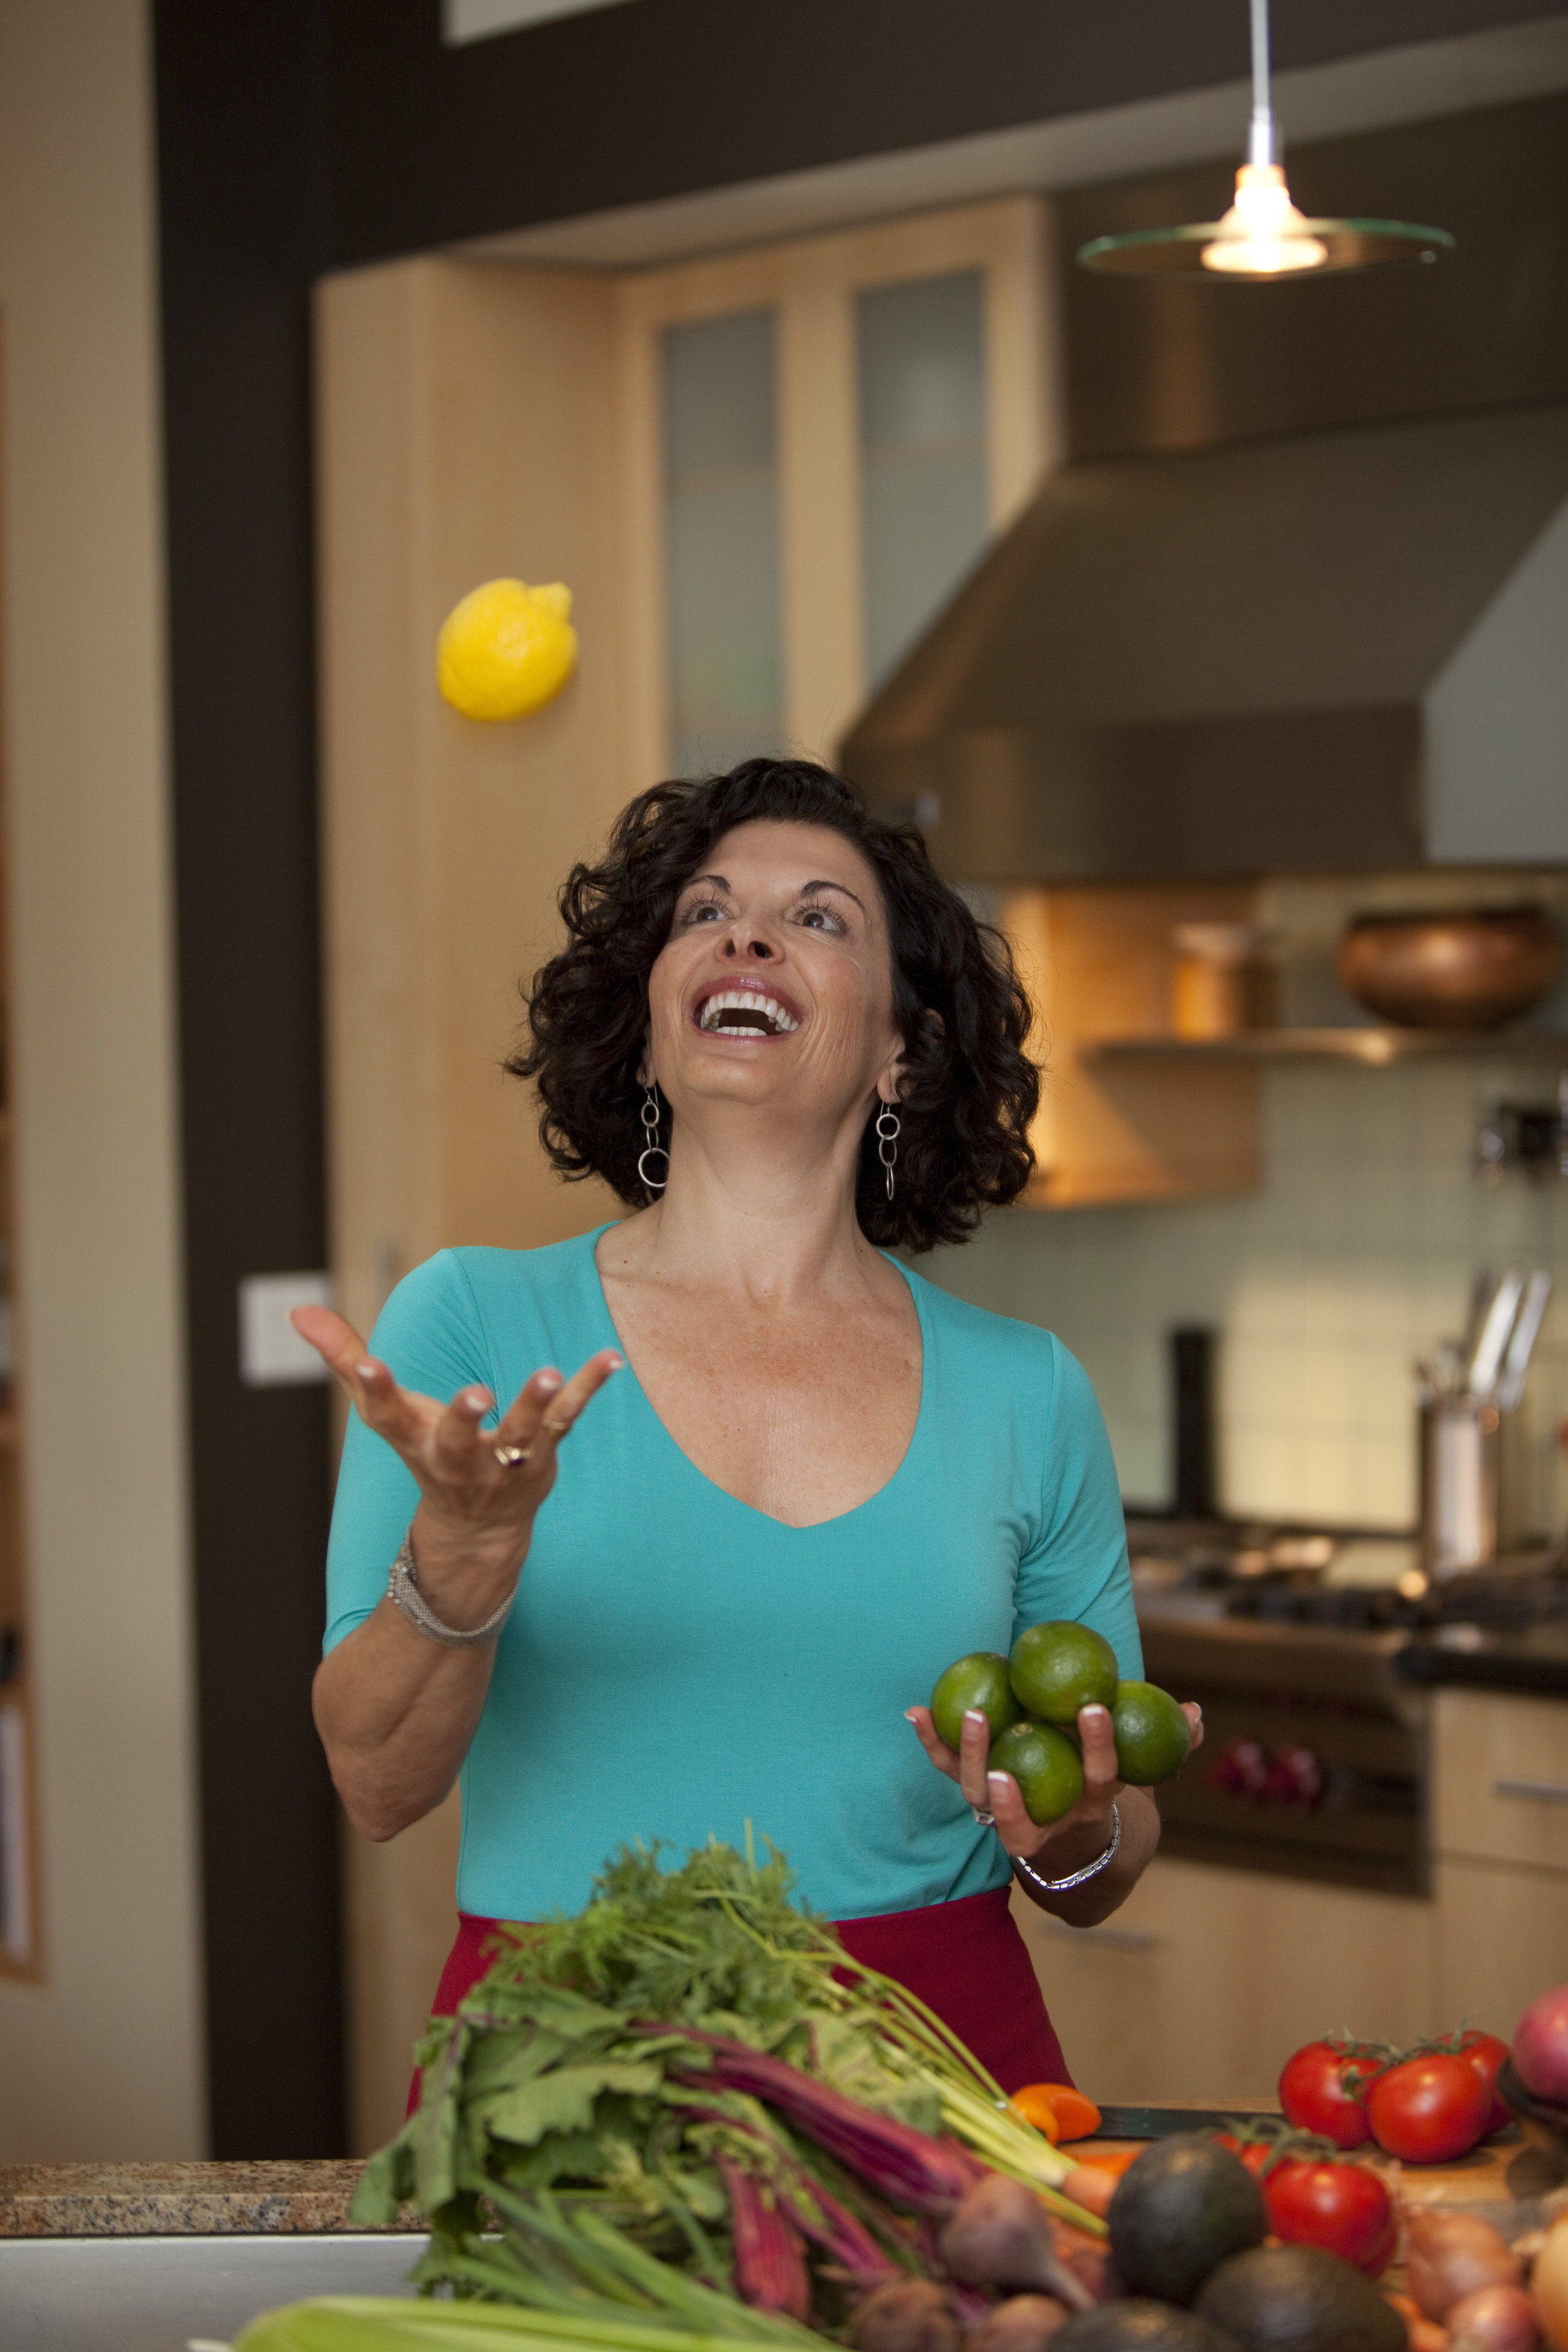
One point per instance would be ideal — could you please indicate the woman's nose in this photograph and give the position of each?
(752, 944)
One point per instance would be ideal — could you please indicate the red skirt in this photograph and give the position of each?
(966, 1960)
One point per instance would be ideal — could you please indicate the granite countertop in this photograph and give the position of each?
(177, 2201)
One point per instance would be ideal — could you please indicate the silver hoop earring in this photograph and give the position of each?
(652, 1148)
(888, 1141)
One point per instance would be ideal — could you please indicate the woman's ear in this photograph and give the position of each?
(890, 1084)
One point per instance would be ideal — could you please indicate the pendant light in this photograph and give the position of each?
(1263, 236)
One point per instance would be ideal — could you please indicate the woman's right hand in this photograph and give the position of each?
(477, 1508)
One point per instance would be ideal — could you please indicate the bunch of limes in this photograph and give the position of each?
(1031, 1702)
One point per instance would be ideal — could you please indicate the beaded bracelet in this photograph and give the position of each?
(403, 1592)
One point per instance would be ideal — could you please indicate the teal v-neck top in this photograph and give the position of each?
(677, 1664)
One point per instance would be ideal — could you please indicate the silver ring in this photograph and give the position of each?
(983, 1819)
(511, 1457)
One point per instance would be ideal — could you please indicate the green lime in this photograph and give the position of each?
(1046, 1765)
(980, 1681)
(1059, 1667)
(1154, 1737)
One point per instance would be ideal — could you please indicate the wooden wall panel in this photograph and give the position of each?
(468, 429)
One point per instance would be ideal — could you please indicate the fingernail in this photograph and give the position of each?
(477, 1403)
(976, 1717)
(369, 1371)
(909, 1715)
(548, 1383)
(998, 1779)
(618, 1364)
(1097, 1713)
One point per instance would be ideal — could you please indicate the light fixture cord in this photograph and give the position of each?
(1260, 143)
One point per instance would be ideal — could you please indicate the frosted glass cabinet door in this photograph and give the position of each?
(722, 541)
(920, 350)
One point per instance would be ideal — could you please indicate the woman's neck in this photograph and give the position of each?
(759, 1217)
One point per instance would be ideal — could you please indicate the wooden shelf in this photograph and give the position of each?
(1366, 1048)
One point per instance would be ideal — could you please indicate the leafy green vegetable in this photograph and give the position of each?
(626, 2091)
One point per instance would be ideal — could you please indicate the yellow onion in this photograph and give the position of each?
(1549, 2286)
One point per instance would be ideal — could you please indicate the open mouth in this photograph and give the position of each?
(748, 1012)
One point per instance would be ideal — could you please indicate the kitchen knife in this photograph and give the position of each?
(1494, 1332)
(1511, 1387)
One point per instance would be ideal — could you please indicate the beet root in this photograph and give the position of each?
(1001, 2235)
(908, 2314)
(1022, 2324)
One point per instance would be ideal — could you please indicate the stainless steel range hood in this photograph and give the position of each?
(1212, 663)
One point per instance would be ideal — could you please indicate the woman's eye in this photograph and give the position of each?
(818, 918)
(704, 911)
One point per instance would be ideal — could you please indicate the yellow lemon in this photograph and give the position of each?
(506, 649)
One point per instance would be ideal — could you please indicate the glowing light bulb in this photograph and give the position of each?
(1263, 235)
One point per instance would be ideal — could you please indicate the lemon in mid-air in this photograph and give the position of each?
(506, 649)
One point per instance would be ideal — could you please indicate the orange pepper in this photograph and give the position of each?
(1111, 2160)
(1057, 2110)
(1035, 2104)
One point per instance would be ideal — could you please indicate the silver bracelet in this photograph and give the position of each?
(403, 1592)
(1076, 1877)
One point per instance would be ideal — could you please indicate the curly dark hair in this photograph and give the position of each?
(967, 1088)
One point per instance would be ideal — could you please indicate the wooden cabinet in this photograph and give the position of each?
(1500, 1832)
(19, 1938)
(1204, 1982)
(1099, 965)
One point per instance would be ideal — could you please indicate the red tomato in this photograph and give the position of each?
(1315, 2099)
(1254, 2154)
(1342, 2208)
(1429, 2109)
(1486, 2053)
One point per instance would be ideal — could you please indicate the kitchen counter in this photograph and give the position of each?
(177, 2201)
(1533, 1663)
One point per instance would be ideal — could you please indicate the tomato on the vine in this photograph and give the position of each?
(1486, 2053)
(1430, 2108)
(1343, 2208)
(1253, 2153)
(1322, 2090)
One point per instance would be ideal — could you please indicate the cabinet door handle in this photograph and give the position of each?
(1540, 1792)
(1110, 1940)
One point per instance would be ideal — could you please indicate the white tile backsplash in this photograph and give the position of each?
(1354, 1256)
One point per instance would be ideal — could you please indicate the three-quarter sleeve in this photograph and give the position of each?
(1077, 1567)
(430, 1336)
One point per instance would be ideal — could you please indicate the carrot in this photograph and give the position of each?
(1057, 2110)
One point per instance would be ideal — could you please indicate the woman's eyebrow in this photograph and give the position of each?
(717, 879)
(808, 887)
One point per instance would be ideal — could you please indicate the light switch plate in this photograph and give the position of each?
(272, 1352)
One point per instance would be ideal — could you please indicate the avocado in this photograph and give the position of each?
(1178, 2212)
(1298, 2299)
(1139, 2327)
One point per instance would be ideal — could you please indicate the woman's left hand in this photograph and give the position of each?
(1079, 1835)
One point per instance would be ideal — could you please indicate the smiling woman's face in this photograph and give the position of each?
(775, 985)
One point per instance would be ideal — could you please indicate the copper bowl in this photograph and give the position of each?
(1470, 968)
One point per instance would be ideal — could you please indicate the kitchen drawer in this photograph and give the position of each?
(1501, 1778)
(1502, 1938)
(1204, 1981)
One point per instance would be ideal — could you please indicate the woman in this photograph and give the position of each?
(804, 1479)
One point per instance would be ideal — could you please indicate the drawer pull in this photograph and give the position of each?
(1540, 1792)
(1111, 1939)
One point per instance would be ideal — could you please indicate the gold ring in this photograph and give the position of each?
(511, 1457)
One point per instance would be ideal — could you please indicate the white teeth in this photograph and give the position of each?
(748, 999)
